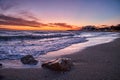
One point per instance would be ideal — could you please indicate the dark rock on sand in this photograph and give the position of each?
(1, 65)
(29, 59)
(60, 64)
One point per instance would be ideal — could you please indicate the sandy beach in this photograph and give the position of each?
(100, 62)
(59, 39)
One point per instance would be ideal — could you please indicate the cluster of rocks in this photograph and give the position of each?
(60, 64)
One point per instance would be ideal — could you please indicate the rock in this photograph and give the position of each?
(60, 64)
(1, 65)
(29, 59)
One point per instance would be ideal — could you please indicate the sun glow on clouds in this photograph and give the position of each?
(13, 23)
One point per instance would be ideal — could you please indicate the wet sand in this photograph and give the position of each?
(100, 62)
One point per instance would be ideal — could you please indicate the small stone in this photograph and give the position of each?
(29, 59)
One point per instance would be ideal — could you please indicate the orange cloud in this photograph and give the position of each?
(64, 26)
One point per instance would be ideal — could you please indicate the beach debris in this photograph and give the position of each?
(60, 64)
(29, 59)
(1, 65)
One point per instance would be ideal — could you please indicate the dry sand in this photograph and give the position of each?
(100, 62)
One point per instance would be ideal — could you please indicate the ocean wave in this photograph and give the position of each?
(17, 51)
(17, 44)
(21, 37)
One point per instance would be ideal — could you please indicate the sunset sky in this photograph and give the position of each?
(57, 14)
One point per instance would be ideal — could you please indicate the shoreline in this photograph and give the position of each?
(99, 62)
(74, 48)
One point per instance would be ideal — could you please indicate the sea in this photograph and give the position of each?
(46, 44)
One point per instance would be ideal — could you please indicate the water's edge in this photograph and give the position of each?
(65, 51)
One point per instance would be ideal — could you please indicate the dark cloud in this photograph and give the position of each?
(63, 25)
(8, 20)
(7, 4)
(27, 14)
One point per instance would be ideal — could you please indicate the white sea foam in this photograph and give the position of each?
(34, 43)
(94, 38)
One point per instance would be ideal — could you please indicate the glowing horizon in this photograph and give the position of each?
(57, 14)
